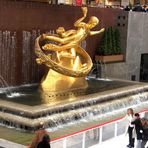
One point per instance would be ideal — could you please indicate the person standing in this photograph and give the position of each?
(130, 128)
(139, 129)
(145, 132)
(39, 135)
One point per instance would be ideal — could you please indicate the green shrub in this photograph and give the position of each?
(117, 40)
(110, 43)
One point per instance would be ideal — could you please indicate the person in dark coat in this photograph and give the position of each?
(127, 8)
(139, 129)
(145, 132)
(45, 143)
(138, 8)
(39, 134)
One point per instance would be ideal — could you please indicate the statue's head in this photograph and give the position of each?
(130, 111)
(93, 21)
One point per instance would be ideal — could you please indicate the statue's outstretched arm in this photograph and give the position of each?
(97, 32)
(84, 10)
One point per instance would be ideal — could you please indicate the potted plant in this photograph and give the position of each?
(110, 50)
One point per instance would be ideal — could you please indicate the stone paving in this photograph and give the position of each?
(8, 144)
(118, 142)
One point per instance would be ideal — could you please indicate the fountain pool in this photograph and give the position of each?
(27, 106)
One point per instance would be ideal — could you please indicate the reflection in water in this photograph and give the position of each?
(33, 96)
(8, 55)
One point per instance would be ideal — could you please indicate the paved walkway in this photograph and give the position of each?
(118, 142)
(8, 144)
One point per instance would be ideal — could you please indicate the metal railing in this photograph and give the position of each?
(92, 136)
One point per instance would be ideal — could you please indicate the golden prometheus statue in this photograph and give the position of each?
(62, 53)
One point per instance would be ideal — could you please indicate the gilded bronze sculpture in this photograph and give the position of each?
(68, 61)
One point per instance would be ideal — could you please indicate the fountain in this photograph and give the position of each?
(69, 97)
(8, 47)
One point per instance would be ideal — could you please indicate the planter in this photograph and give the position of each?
(109, 58)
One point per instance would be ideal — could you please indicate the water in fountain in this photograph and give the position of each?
(95, 72)
(4, 85)
(29, 66)
(26, 56)
(8, 55)
(8, 90)
(104, 68)
(87, 107)
(91, 75)
(8, 60)
(35, 68)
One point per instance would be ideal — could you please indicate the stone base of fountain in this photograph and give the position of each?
(30, 107)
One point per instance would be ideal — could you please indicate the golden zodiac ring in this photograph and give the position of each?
(45, 59)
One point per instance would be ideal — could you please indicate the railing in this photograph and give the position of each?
(93, 135)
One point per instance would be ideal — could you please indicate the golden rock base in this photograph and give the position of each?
(56, 82)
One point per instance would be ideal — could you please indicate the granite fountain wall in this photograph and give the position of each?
(137, 44)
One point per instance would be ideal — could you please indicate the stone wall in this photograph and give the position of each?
(137, 44)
